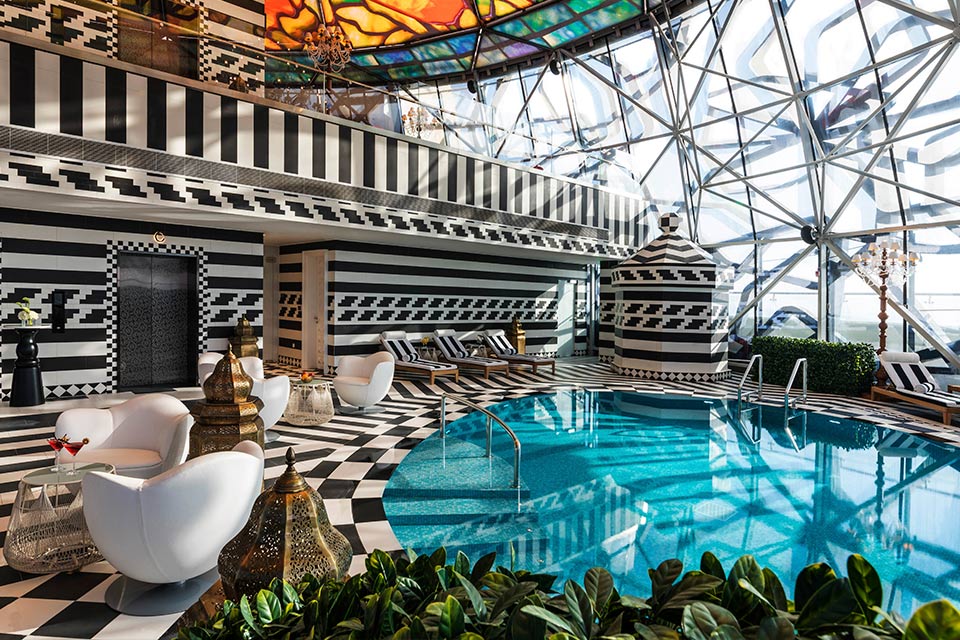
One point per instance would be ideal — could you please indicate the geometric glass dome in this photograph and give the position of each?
(399, 40)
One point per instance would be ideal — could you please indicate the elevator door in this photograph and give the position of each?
(157, 321)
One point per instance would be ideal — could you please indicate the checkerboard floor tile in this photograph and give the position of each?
(348, 460)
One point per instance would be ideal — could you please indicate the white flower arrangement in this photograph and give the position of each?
(27, 315)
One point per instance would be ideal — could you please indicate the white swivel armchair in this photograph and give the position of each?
(165, 534)
(141, 437)
(363, 382)
(274, 391)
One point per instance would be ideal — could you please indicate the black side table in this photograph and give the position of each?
(27, 388)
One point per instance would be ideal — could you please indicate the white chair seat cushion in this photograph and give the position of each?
(354, 381)
(122, 459)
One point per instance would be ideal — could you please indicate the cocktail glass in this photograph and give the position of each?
(73, 448)
(56, 444)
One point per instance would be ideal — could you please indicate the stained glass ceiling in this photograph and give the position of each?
(399, 40)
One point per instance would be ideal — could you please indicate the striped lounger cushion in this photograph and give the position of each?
(915, 381)
(407, 355)
(402, 350)
(454, 350)
(501, 345)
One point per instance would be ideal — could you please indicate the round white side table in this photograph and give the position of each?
(310, 403)
(47, 531)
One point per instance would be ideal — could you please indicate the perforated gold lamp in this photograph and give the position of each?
(287, 536)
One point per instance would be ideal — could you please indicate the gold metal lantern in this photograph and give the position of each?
(517, 336)
(287, 536)
(243, 342)
(228, 413)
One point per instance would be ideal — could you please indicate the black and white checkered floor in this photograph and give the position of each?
(348, 460)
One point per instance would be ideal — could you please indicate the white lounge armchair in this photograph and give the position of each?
(363, 382)
(141, 437)
(274, 391)
(165, 534)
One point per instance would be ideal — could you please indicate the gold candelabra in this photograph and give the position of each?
(880, 263)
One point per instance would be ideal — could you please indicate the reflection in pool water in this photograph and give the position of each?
(625, 480)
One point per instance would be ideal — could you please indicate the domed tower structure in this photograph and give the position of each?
(671, 311)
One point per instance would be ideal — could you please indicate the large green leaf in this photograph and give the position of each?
(711, 565)
(700, 619)
(461, 563)
(663, 576)
(865, 582)
(479, 606)
(549, 617)
(776, 628)
(580, 608)
(726, 632)
(633, 602)
(483, 565)
(451, 622)
(691, 587)
(248, 617)
(938, 620)
(833, 603)
(524, 626)
(598, 583)
(773, 590)
(510, 596)
(810, 580)
(268, 607)
(735, 597)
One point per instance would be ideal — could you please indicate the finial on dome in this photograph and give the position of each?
(669, 222)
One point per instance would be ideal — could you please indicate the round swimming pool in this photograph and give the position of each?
(626, 480)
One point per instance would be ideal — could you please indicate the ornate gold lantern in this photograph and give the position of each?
(287, 536)
(229, 413)
(243, 342)
(517, 336)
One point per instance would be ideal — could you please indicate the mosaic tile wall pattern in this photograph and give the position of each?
(43, 252)
(169, 128)
(97, 30)
(375, 288)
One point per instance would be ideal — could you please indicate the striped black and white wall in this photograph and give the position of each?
(606, 312)
(374, 288)
(231, 41)
(220, 136)
(43, 252)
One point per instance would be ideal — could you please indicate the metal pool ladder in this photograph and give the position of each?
(491, 418)
(801, 363)
(743, 380)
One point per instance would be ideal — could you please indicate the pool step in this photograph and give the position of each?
(454, 468)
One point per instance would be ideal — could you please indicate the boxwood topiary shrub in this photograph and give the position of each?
(844, 368)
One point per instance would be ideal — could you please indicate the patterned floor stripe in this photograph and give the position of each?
(348, 460)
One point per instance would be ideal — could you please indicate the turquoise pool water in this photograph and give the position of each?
(625, 480)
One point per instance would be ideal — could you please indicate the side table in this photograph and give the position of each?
(47, 532)
(310, 403)
(953, 388)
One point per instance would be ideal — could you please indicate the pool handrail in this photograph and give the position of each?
(755, 358)
(793, 376)
(491, 418)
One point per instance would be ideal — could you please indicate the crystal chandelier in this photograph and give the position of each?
(328, 48)
(415, 120)
(885, 261)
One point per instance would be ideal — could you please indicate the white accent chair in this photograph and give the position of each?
(165, 534)
(142, 437)
(274, 391)
(363, 382)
